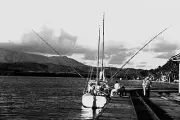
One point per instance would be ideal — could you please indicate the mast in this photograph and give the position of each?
(98, 56)
(103, 47)
(102, 67)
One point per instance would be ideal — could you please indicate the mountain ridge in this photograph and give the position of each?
(14, 62)
(8, 56)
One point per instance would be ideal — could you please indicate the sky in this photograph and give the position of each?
(71, 27)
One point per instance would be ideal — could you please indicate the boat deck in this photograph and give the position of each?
(119, 108)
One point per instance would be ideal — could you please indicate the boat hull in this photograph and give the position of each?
(93, 101)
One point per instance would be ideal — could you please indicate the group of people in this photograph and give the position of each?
(98, 88)
(118, 89)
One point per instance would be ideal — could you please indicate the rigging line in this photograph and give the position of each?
(139, 51)
(91, 72)
(87, 80)
(72, 50)
(57, 53)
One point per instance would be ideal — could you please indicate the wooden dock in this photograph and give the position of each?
(119, 108)
(171, 109)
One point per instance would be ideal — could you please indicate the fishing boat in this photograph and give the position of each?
(97, 90)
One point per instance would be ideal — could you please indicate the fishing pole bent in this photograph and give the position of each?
(57, 53)
(139, 51)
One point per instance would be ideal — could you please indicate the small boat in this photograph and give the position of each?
(94, 99)
(96, 92)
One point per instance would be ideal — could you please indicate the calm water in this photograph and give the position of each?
(47, 98)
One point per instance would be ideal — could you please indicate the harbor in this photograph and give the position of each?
(89, 60)
(60, 98)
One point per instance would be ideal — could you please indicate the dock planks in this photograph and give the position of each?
(119, 108)
(172, 109)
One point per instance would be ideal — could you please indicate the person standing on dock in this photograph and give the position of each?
(146, 84)
(148, 87)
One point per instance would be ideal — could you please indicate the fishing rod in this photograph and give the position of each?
(57, 53)
(138, 52)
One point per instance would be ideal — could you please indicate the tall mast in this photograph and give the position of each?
(103, 45)
(98, 56)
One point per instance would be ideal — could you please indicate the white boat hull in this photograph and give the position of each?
(93, 101)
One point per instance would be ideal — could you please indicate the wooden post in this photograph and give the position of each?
(177, 58)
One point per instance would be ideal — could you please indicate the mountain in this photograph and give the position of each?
(15, 62)
(7, 56)
(20, 61)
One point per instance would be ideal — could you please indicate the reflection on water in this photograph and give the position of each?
(89, 113)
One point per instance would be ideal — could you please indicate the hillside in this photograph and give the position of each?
(12, 63)
(170, 69)
(7, 56)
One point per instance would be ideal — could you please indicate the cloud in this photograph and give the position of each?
(113, 47)
(143, 63)
(66, 40)
(165, 47)
(63, 43)
(90, 55)
(120, 58)
(166, 55)
(110, 49)
(32, 43)
(162, 45)
(141, 66)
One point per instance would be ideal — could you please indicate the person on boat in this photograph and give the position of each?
(93, 91)
(105, 87)
(98, 87)
(116, 88)
(90, 88)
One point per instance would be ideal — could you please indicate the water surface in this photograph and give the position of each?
(47, 98)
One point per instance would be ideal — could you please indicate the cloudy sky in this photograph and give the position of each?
(71, 27)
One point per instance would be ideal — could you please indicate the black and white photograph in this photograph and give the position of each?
(89, 60)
